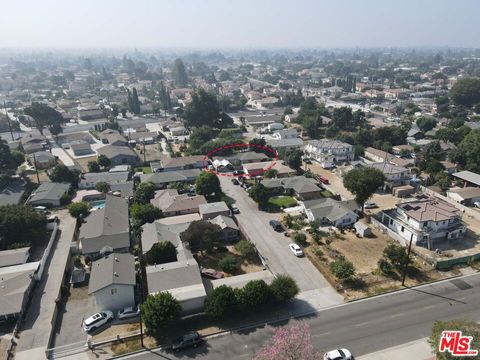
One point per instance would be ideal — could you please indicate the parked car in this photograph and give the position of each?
(40, 209)
(53, 219)
(211, 273)
(297, 251)
(234, 209)
(235, 182)
(477, 204)
(97, 320)
(370, 205)
(276, 225)
(191, 339)
(323, 180)
(338, 354)
(128, 312)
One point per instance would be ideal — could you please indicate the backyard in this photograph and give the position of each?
(282, 201)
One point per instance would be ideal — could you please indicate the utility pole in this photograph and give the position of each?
(144, 153)
(36, 169)
(407, 262)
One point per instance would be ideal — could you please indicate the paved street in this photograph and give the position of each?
(274, 246)
(365, 326)
(35, 329)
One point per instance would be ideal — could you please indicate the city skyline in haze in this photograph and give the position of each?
(216, 24)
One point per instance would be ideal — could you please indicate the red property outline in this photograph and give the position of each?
(272, 163)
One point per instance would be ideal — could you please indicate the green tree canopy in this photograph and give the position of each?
(426, 124)
(179, 73)
(202, 235)
(204, 109)
(61, 173)
(9, 160)
(342, 269)
(102, 186)
(20, 226)
(283, 288)
(144, 213)
(246, 249)
(254, 295)
(396, 255)
(144, 193)
(159, 310)
(270, 174)
(363, 182)
(43, 115)
(103, 161)
(466, 92)
(260, 194)
(93, 166)
(79, 209)
(207, 183)
(228, 264)
(161, 252)
(220, 302)
(467, 154)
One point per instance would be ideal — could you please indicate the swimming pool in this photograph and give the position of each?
(97, 204)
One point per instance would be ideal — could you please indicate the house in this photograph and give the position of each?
(49, 194)
(394, 175)
(303, 188)
(113, 138)
(143, 137)
(230, 230)
(107, 227)
(112, 281)
(16, 283)
(275, 126)
(285, 134)
(465, 196)
(90, 114)
(266, 103)
(42, 159)
(119, 155)
(182, 279)
(285, 144)
(291, 118)
(329, 212)
(162, 179)
(470, 178)
(14, 256)
(178, 131)
(90, 180)
(329, 152)
(247, 157)
(381, 156)
(81, 148)
(262, 120)
(184, 163)
(212, 210)
(12, 194)
(255, 169)
(33, 144)
(424, 222)
(172, 204)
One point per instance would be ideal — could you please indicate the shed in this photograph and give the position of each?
(362, 229)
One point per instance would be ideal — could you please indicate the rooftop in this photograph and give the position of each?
(213, 207)
(429, 210)
(113, 269)
(469, 176)
(49, 191)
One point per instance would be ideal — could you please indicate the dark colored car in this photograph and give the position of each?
(235, 182)
(276, 225)
(191, 339)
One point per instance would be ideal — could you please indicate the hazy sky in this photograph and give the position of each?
(234, 24)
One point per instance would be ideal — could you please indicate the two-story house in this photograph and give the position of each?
(329, 152)
(424, 222)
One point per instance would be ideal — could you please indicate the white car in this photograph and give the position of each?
(297, 251)
(128, 312)
(370, 205)
(97, 320)
(338, 354)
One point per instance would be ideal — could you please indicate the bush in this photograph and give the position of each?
(319, 252)
(159, 310)
(79, 209)
(246, 248)
(256, 294)
(220, 302)
(384, 266)
(300, 238)
(228, 264)
(342, 269)
(396, 255)
(283, 288)
(161, 252)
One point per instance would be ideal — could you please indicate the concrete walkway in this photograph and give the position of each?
(418, 350)
(37, 326)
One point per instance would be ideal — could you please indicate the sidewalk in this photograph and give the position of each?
(415, 350)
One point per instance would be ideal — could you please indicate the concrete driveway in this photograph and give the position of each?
(273, 246)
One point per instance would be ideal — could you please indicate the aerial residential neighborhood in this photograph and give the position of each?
(226, 180)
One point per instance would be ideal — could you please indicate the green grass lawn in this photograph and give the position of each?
(285, 201)
(145, 169)
(326, 193)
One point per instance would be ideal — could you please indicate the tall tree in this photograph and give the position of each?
(363, 182)
(43, 115)
(161, 252)
(159, 310)
(466, 92)
(208, 184)
(179, 73)
(20, 226)
(135, 102)
(204, 109)
(202, 235)
(292, 343)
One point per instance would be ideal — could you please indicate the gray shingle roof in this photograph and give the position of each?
(170, 176)
(213, 207)
(13, 257)
(111, 151)
(299, 184)
(113, 269)
(469, 176)
(49, 191)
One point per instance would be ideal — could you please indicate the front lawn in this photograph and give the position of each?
(144, 169)
(282, 201)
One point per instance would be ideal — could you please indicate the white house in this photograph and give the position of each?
(329, 152)
(424, 221)
(112, 281)
(466, 196)
(329, 212)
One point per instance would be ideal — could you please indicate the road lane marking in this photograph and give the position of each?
(396, 315)
(361, 324)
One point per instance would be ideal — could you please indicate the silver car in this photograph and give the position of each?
(128, 312)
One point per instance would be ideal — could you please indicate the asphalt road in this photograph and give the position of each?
(274, 245)
(363, 327)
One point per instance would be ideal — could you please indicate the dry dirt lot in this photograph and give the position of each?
(152, 152)
(83, 162)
